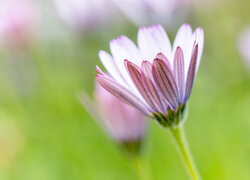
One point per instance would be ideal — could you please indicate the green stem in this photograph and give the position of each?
(181, 143)
(141, 168)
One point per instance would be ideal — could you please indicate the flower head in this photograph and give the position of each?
(154, 77)
(122, 122)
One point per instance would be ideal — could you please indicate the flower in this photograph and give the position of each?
(244, 45)
(17, 20)
(83, 14)
(154, 77)
(122, 122)
(144, 12)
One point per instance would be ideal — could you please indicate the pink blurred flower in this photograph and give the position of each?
(244, 45)
(145, 12)
(17, 19)
(154, 77)
(83, 14)
(122, 122)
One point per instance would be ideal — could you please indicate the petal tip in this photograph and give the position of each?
(98, 70)
(101, 52)
(186, 26)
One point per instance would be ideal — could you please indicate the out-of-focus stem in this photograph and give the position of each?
(181, 144)
(141, 168)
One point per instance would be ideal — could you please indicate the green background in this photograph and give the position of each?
(45, 133)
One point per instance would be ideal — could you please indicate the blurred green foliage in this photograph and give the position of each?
(45, 133)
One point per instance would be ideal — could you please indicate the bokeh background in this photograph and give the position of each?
(47, 59)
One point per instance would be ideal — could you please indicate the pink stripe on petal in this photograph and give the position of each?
(122, 93)
(191, 73)
(165, 80)
(163, 58)
(136, 76)
(147, 79)
(179, 72)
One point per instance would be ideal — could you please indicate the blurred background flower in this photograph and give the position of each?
(146, 12)
(17, 22)
(60, 139)
(243, 44)
(84, 15)
(123, 123)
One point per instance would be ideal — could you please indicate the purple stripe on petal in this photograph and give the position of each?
(165, 80)
(191, 73)
(122, 93)
(155, 94)
(135, 74)
(163, 58)
(179, 72)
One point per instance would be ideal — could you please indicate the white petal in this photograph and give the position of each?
(153, 40)
(199, 39)
(127, 49)
(109, 64)
(123, 48)
(161, 39)
(185, 39)
(146, 44)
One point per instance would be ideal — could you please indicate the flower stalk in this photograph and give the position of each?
(141, 168)
(178, 135)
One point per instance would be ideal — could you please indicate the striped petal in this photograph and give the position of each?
(98, 70)
(165, 80)
(122, 93)
(179, 74)
(123, 48)
(163, 58)
(191, 73)
(185, 39)
(110, 65)
(136, 76)
(147, 79)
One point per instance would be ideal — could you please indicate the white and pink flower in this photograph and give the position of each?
(122, 122)
(154, 77)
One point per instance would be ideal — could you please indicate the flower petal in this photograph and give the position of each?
(185, 39)
(122, 93)
(110, 65)
(191, 73)
(123, 48)
(136, 75)
(164, 79)
(153, 40)
(179, 72)
(154, 93)
(199, 39)
(98, 70)
(163, 58)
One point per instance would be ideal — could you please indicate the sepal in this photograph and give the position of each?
(172, 118)
(132, 148)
